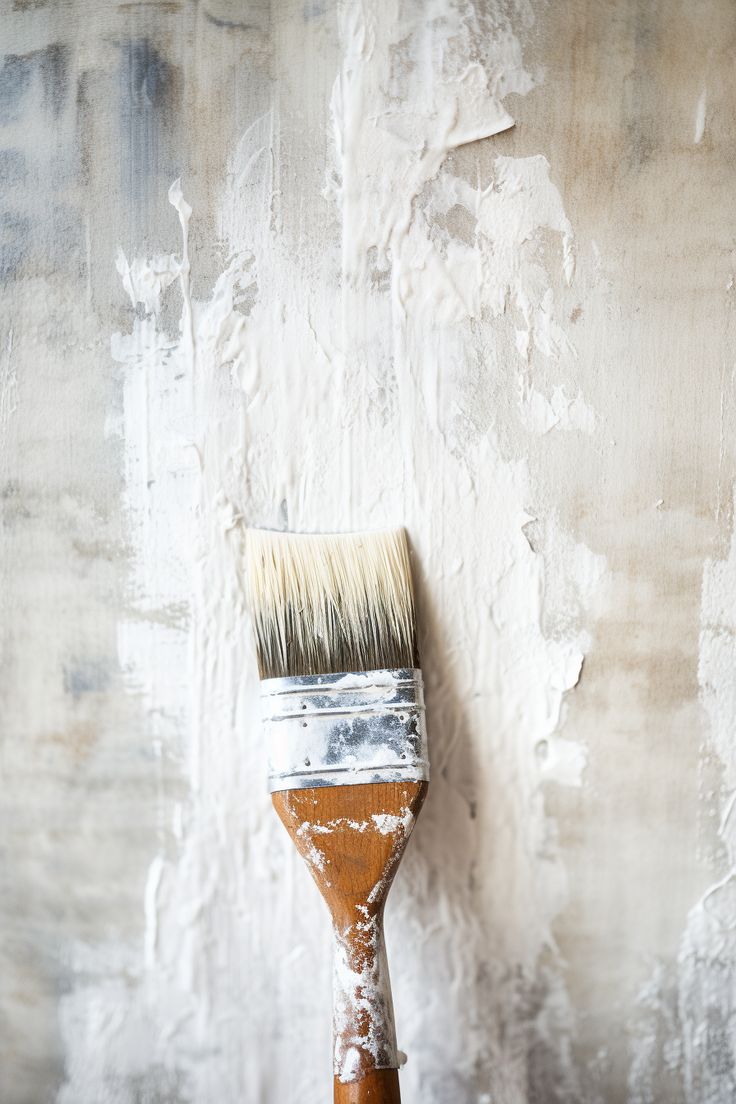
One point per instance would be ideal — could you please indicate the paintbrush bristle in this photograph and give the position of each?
(324, 604)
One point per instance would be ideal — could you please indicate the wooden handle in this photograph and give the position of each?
(352, 838)
(377, 1087)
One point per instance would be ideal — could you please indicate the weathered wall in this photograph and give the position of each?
(371, 300)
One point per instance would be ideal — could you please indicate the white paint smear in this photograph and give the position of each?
(707, 958)
(332, 381)
(700, 117)
(690, 1016)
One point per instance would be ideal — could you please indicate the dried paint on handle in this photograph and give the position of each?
(364, 1029)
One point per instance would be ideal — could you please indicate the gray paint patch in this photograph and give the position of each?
(86, 677)
(15, 231)
(146, 85)
(227, 24)
(50, 65)
(53, 66)
(12, 167)
(15, 80)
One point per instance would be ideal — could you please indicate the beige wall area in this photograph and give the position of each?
(466, 266)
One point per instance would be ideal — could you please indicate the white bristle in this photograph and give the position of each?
(330, 603)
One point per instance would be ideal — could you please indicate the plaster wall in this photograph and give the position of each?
(466, 267)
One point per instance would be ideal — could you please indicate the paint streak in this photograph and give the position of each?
(700, 117)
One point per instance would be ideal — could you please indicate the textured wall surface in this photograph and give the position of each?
(329, 264)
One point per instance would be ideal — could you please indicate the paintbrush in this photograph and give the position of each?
(343, 712)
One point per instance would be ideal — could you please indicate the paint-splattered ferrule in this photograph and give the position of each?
(343, 729)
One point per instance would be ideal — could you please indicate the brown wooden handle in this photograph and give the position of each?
(377, 1087)
(352, 838)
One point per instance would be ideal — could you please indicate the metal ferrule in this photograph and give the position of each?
(338, 730)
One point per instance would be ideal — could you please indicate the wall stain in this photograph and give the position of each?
(148, 87)
(15, 232)
(86, 677)
(168, 7)
(13, 169)
(228, 24)
(641, 91)
(15, 81)
(78, 738)
(50, 65)
(53, 67)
